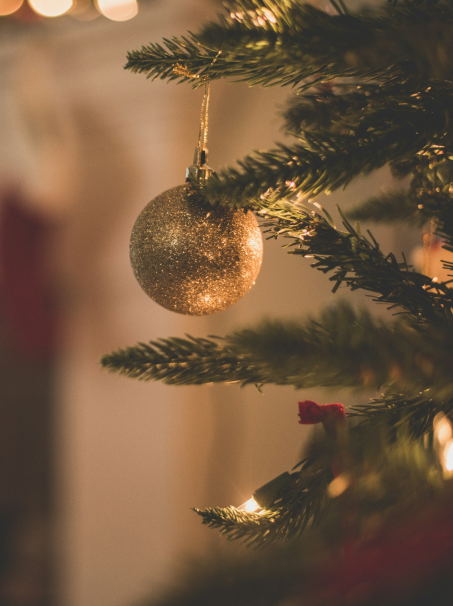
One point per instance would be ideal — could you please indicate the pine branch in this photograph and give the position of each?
(323, 162)
(269, 42)
(359, 109)
(341, 348)
(412, 414)
(342, 138)
(175, 361)
(387, 43)
(433, 185)
(430, 196)
(300, 507)
(392, 207)
(403, 474)
(359, 263)
(402, 60)
(363, 131)
(325, 109)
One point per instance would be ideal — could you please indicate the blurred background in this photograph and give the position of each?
(98, 472)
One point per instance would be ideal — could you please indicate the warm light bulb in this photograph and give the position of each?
(50, 8)
(442, 429)
(118, 10)
(7, 7)
(448, 456)
(444, 433)
(250, 506)
(443, 442)
(338, 486)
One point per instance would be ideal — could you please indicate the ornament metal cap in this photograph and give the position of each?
(199, 171)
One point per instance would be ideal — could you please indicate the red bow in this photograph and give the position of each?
(311, 413)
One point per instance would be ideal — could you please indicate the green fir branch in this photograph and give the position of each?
(393, 105)
(340, 348)
(269, 42)
(322, 162)
(176, 361)
(432, 184)
(385, 42)
(360, 109)
(430, 196)
(302, 506)
(413, 414)
(387, 129)
(328, 107)
(397, 481)
(380, 471)
(362, 132)
(359, 263)
(391, 207)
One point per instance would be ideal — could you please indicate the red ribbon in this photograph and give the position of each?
(311, 413)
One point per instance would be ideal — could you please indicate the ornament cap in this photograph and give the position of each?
(199, 171)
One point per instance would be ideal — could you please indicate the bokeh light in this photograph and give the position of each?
(118, 10)
(9, 6)
(84, 10)
(50, 8)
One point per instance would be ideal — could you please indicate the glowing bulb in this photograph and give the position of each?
(269, 15)
(443, 442)
(250, 506)
(442, 429)
(7, 7)
(338, 486)
(50, 8)
(118, 10)
(448, 456)
(444, 433)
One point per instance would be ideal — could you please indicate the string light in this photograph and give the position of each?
(118, 10)
(50, 8)
(250, 506)
(443, 442)
(338, 486)
(265, 496)
(449, 456)
(443, 432)
(7, 7)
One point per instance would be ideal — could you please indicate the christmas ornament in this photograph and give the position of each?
(186, 255)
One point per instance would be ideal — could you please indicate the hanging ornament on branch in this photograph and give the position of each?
(186, 255)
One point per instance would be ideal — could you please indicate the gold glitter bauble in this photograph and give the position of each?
(192, 258)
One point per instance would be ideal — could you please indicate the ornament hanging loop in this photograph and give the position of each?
(199, 171)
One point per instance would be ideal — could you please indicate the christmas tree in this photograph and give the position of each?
(372, 88)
